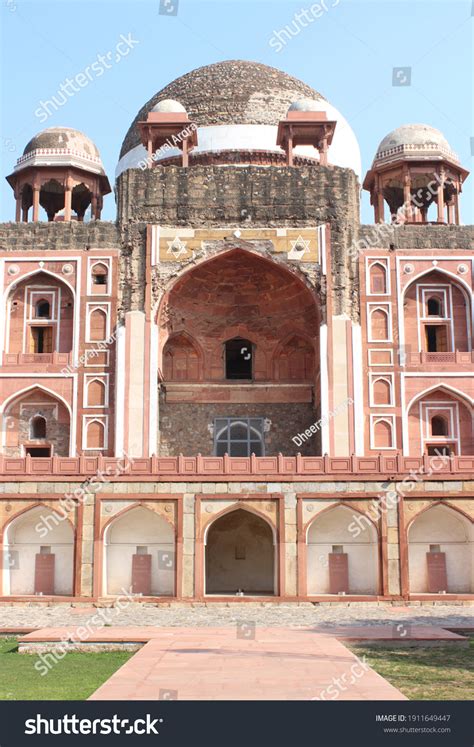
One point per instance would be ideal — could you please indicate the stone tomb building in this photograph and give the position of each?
(236, 390)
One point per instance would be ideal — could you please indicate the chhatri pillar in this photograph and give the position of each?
(414, 168)
(167, 128)
(60, 171)
(306, 124)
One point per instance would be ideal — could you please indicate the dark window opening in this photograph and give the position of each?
(99, 275)
(43, 310)
(435, 307)
(439, 450)
(238, 437)
(439, 426)
(238, 358)
(42, 339)
(436, 338)
(38, 427)
(38, 451)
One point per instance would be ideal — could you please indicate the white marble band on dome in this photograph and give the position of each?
(344, 150)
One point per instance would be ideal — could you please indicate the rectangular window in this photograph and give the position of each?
(436, 338)
(238, 437)
(440, 450)
(37, 451)
(41, 340)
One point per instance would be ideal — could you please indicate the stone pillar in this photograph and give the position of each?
(185, 158)
(441, 199)
(87, 546)
(36, 196)
(393, 547)
(289, 148)
(323, 152)
(291, 569)
(68, 201)
(457, 217)
(18, 208)
(135, 383)
(150, 152)
(338, 358)
(189, 525)
(407, 196)
(380, 208)
(94, 206)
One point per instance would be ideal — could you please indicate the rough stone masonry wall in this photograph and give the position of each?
(419, 237)
(213, 196)
(58, 236)
(184, 428)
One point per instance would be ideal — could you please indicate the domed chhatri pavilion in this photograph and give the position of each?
(237, 391)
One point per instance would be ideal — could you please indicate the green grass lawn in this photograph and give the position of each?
(425, 672)
(75, 677)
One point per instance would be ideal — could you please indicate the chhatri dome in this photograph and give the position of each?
(59, 146)
(415, 141)
(237, 106)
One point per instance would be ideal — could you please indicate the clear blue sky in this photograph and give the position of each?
(347, 54)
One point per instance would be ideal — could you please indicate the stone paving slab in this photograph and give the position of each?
(215, 664)
(397, 632)
(143, 634)
(32, 615)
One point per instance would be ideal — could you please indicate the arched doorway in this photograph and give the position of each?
(139, 554)
(229, 325)
(440, 543)
(338, 559)
(240, 555)
(38, 554)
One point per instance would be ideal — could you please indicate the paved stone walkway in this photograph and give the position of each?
(35, 616)
(217, 664)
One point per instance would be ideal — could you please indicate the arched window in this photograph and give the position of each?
(95, 435)
(238, 358)
(382, 392)
(378, 278)
(294, 360)
(98, 325)
(38, 427)
(99, 274)
(379, 324)
(434, 307)
(238, 436)
(96, 393)
(43, 310)
(439, 426)
(180, 359)
(383, 434)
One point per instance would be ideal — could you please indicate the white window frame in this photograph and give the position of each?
(387, 308)
(88, 379)
(375, 418)
(388, 377)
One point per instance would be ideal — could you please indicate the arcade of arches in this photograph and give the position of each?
(243, 553)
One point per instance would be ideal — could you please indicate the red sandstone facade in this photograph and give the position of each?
(198, 406)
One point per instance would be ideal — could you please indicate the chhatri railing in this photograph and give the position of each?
(182, 468)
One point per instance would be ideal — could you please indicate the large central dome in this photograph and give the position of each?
(231, 92)
(237, 105)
